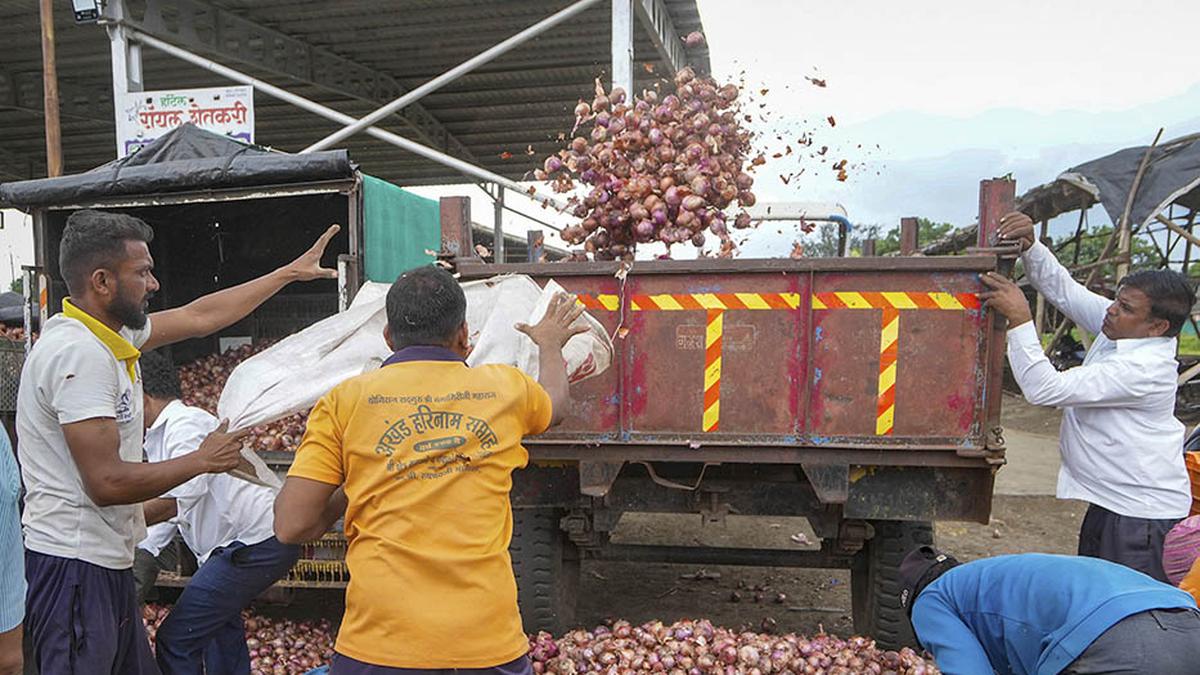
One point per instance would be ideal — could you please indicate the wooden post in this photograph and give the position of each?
(1039, 310)
(910, 229)
(1187, 251)
(456, 227)
(54, 159)
(537, 245)
(868, 248)
(1126, 234)
(1079, 233)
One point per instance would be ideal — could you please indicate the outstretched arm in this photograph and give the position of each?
(209, 314)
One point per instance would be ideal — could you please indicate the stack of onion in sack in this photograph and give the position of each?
(277, 646)
(657, 168)
(203, 379)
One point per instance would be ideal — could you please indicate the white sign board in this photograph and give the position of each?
(143, 116)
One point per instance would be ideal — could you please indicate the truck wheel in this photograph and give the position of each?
(546, 565)
(875, 582)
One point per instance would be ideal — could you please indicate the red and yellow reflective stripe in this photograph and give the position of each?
(712, 369)
(682, 302)
(603, 301)
(889, 337)
(895, 300)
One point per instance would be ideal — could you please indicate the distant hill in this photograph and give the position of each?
(931, 165)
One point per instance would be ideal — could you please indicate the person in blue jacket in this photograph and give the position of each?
(1047, 614)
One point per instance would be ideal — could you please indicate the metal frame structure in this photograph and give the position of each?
(182, 28)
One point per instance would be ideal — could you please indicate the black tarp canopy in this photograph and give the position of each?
(186, 159)
(1172, 177)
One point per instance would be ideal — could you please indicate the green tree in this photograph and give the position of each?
(1143, 253)
(927, 232)
(823, 243)
(17, 285)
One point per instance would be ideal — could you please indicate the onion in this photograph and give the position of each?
(663, 168)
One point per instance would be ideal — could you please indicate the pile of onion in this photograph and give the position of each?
(203, 379)
(655, 167)
(15, 334)
(277, 646)
(699, 648)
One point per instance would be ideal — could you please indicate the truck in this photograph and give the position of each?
(861, 393)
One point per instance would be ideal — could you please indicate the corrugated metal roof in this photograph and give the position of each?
(522, 99)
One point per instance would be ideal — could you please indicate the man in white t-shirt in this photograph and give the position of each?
(79, 425)
(228, 523)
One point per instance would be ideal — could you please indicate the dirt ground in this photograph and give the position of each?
(1025, 518)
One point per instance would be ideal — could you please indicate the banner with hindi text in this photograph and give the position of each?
(143, 116)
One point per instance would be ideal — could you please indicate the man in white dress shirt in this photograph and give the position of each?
(228, 523)
(1121, 446)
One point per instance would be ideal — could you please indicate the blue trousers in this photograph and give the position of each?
(84, 619)
(204, 634)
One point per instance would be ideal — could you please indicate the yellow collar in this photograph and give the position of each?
(121, 348)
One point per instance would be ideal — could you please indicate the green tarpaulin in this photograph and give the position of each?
(399, 227)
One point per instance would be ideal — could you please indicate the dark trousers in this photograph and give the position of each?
(84, 619)
(1156, 641)
(1136, 543)
(204, 634)
(146, 567)
(344, 665)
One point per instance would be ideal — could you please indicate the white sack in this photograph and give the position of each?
(293, 374)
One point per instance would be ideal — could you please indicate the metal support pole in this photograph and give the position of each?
(843, 240)
(54, 159)
(868, 248)
(329, 113)
(453, 74)
(498, 226)
(909, 235)
(622, 45)
(537, 245)
(126, 60)
(996, 198)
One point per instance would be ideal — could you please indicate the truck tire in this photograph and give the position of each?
(875, 582)
(546, 565)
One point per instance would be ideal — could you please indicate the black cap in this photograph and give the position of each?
(918, 570)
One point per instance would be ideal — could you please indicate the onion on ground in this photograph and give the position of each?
(687, 647)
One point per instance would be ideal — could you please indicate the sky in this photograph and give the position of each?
(951, 92)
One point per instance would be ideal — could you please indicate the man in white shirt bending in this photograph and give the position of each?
(1121, 446)
(228, 523)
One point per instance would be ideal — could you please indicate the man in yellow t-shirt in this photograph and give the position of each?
(418, 456)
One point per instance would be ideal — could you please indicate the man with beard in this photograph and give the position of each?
(79, 424)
